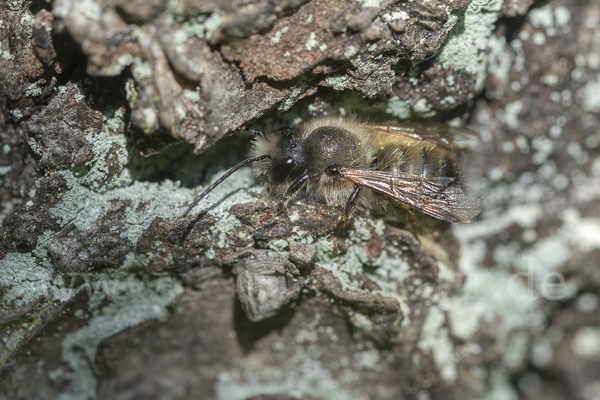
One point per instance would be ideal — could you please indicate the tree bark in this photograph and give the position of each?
(107, 291)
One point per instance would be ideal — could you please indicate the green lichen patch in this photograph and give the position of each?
(398, 108)
(28, 276)
(389, 270)
(337, 82)
(133, 302)
(465, 47)
(107, 148)
(308, 377)
(435, 339)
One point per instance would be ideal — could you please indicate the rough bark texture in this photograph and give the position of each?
(106, 291)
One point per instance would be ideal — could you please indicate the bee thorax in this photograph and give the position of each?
(329, 146)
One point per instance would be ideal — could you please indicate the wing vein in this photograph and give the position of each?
(435, 196)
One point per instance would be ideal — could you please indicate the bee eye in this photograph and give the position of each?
(280, 170)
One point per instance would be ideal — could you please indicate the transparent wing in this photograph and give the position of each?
(439, 134)
(435, 197)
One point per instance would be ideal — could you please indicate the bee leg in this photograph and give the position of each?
(350, 206)
(291, 192)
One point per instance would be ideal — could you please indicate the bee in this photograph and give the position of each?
(405, 166)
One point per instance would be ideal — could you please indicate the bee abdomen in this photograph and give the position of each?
(417, 160)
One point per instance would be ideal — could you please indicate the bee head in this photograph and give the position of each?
(287, 161)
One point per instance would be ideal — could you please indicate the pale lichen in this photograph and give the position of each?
(466, 45)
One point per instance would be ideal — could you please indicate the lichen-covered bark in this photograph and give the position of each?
(107, 291)
(201, 70)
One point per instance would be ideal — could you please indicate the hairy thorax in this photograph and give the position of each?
(329, 146)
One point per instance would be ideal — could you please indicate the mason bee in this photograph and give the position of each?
(404, 166)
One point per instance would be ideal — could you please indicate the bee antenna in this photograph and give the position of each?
(259, 133)
(221, 179)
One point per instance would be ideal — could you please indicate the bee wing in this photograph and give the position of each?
(439, 134)
(432, 196)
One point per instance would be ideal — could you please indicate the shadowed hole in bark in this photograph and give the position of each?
(248, 332)
(178, 162)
